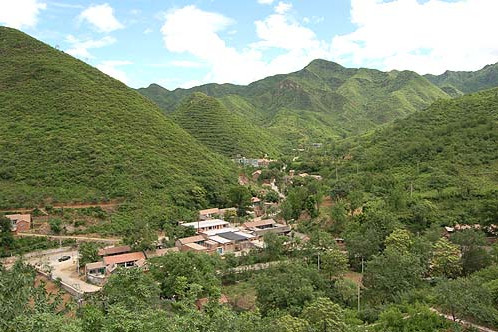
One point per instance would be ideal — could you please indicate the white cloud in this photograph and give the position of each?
(147, 31)
(186, 64)
(426, 37)
(20, 13)
(110, 68)
(279, 30)
(265, 2)
(283, 7)
(79, 48)
(102, 17)
(197, 32)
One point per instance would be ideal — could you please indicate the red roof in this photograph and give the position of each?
(130, 257)
(114, 250)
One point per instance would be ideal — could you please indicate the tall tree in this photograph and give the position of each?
(446, 259)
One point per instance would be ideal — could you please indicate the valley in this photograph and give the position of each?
(327, 199)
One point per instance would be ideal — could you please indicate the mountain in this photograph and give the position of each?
(447, 154)
(456, 83)
(228, 133)
(71, 133)
(322, 101)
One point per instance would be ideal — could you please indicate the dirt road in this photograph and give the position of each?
(71, 237)
(110, 204)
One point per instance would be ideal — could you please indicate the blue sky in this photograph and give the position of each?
(184, 43)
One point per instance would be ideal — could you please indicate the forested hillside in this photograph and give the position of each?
(458, 82)
(223, 131)
(70, 133)
(441, 162)
(320, 102)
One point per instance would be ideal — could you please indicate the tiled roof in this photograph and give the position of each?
(114, 250)
(192, 239)
(129, 257)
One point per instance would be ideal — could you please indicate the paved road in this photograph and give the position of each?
(71, 237)
(66, 270)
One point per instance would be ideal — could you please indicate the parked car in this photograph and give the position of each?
(64, 258)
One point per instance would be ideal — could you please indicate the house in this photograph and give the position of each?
(222, 240)
(207, 225)
(20, 222)
(261, 227)
(256, 174)
(131, 259)
(181, 244)
(112, 251)
(255, 201)
(160, 252)
(95, 273)
(209, 213)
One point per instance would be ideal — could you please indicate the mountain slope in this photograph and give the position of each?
(457, 82)
(322, 101)
(447, 154)
(69, 132)
(223, 131)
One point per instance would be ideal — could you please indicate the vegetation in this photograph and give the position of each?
(209, 121)
(71, 133)
(323, 101)
(457, 82)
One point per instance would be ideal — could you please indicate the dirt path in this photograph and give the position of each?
(110, 204)
(463, 322)
(70, 237)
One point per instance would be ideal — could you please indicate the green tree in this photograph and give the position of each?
(288, 323)
(141, 236)
(131, 289)
(274, 246)
(399, 240)
(88, 253)
(55, 225)
(324, 315)
(287, 287)
(198, 268)
(445, 259)
(391, 274)
(334, 263)
(6, 237)
(474, 256)
(240, 197)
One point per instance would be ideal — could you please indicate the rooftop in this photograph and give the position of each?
(259, 223)
(205, 223)
(221, 230)
(96, 265)
(195, 246)
(129, 257)
(114, 250)
(219, 239)
(192, 239)
(19, 217)
(209, 211)
(232, 236)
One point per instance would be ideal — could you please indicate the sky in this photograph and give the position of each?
(184, 43)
